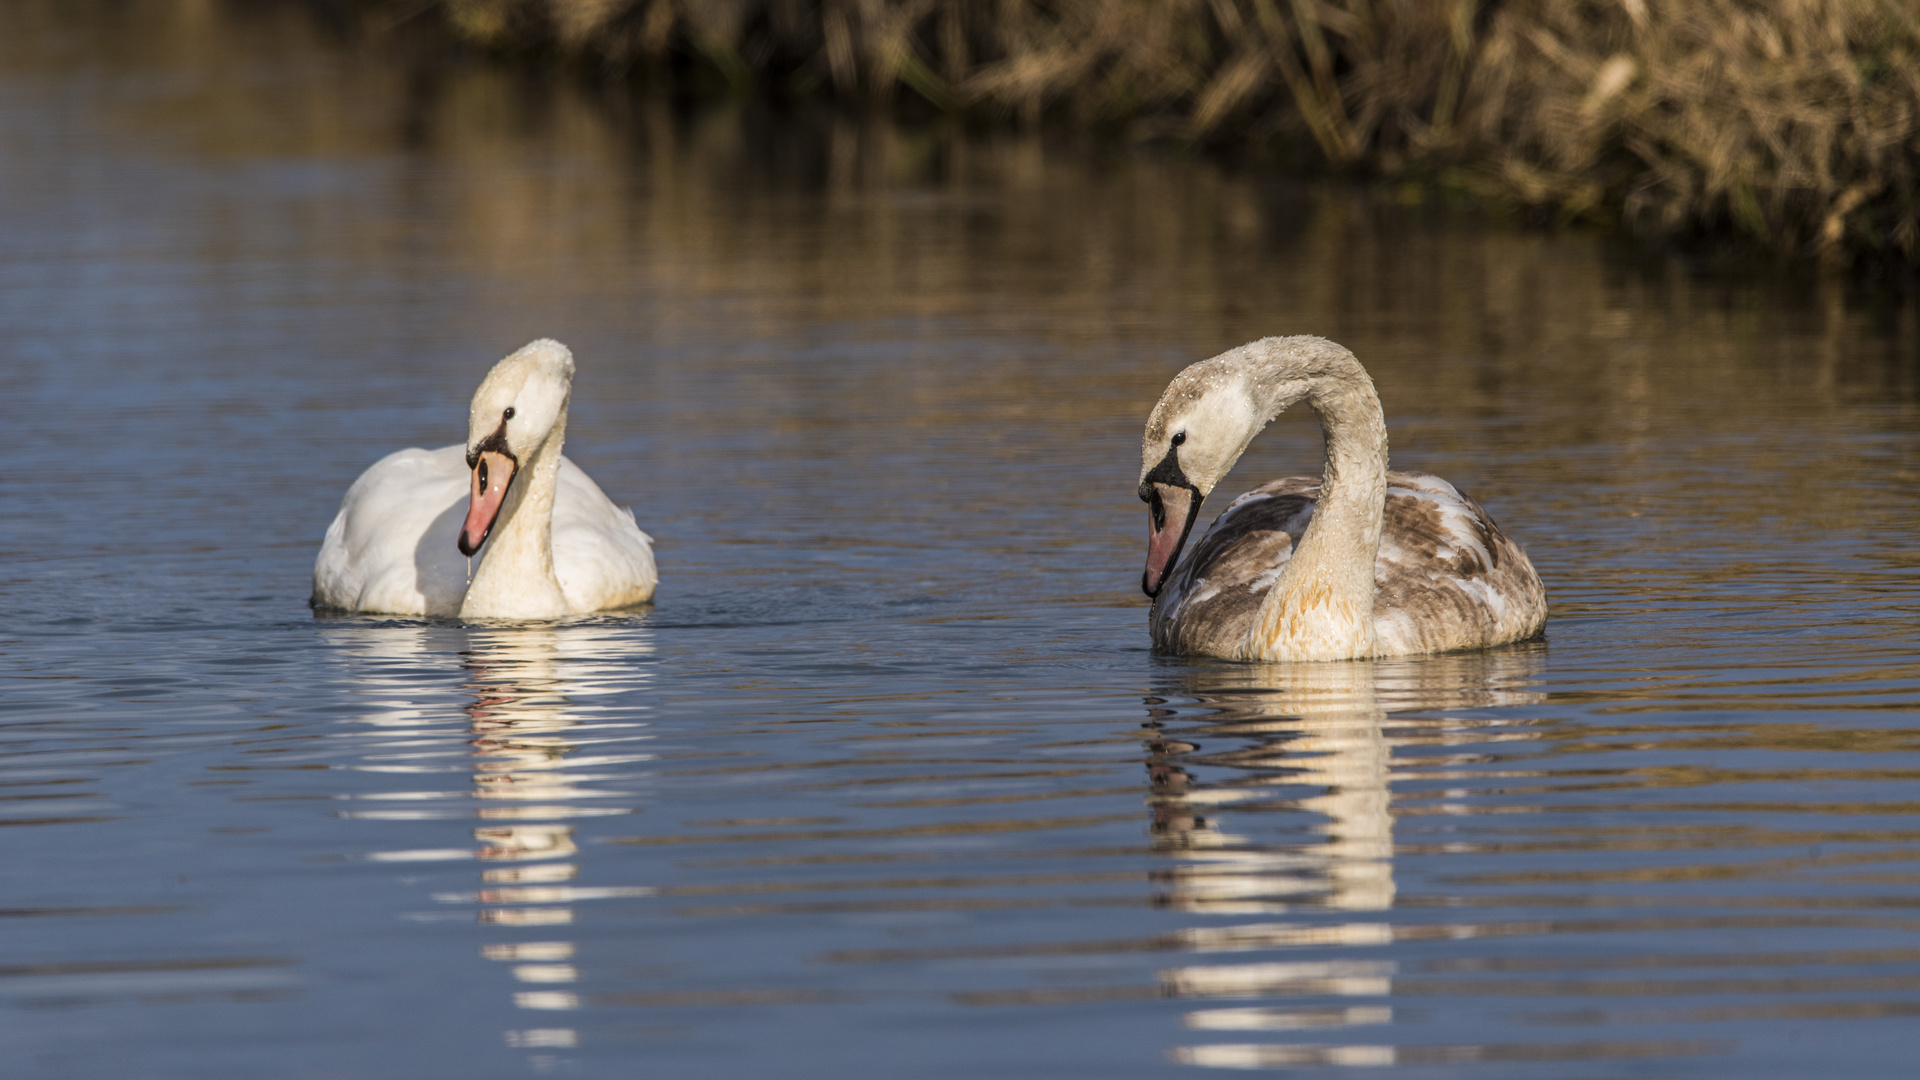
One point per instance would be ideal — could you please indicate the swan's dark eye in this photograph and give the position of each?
(1179, 437)
(508, 415)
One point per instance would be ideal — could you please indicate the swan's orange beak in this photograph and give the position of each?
(492, 472)
(1170, 513)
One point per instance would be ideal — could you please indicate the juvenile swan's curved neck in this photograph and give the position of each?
(1321, 608)
(515, 578)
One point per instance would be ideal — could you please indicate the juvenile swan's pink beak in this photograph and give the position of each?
(1170, 511)
(491, 475)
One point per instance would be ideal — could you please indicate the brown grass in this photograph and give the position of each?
(1790, 124)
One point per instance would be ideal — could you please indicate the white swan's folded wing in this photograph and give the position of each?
(600, 555)
(391, 547)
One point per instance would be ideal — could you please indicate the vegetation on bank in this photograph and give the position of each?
(1794, 125)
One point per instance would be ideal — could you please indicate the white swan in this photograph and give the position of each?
(1364, 562)
(558, 545)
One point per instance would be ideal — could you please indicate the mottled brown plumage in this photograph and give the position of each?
(1446, 576)
(1360, 562)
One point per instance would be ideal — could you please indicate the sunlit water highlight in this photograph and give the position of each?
(888, 783)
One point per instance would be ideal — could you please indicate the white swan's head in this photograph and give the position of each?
(518, 406)
(1202, 424)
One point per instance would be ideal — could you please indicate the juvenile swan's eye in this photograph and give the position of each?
(508, 415)
(1179, 437)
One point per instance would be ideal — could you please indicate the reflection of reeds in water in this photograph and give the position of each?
(630, 208)
(1787, 123)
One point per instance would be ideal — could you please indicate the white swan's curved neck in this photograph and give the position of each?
(515, 578)
(1321, 608)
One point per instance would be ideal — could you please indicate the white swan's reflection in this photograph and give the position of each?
(1258, 733)
(526, 702)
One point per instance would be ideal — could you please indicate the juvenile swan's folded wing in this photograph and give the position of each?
(1447, 577)
(1208, 604)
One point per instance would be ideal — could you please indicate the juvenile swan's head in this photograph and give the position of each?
(518, 406)
(1203, 422)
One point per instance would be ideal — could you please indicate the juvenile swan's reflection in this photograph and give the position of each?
(528, 699)
(1264, 743)
(1264, 732)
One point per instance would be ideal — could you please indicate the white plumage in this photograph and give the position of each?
(391, 547)
(557, 546)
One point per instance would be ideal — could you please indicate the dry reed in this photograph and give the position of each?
(1791, 124)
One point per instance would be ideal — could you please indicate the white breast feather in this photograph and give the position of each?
(391, 548)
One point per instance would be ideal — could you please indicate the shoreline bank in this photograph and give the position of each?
(1792, 129)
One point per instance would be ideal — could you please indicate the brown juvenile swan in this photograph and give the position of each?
(1363, 562)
